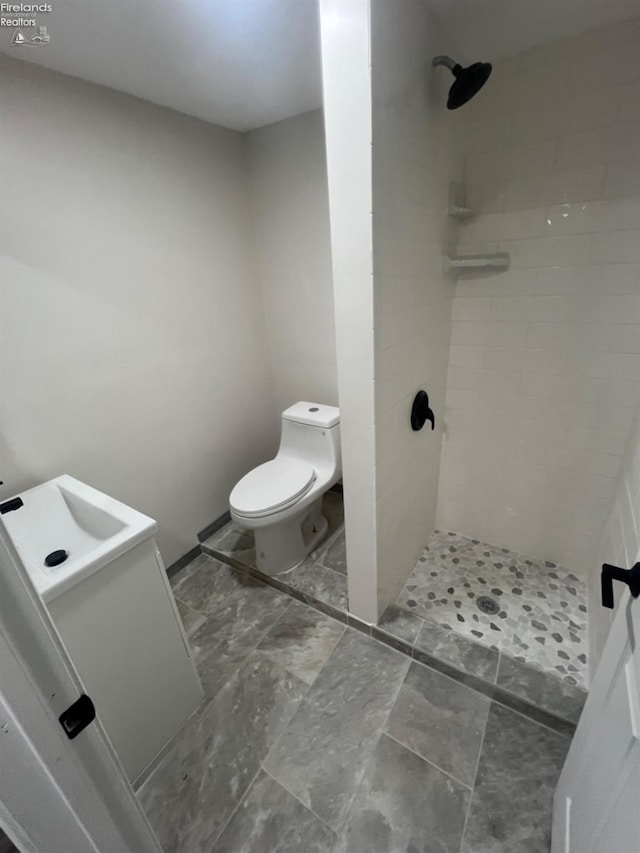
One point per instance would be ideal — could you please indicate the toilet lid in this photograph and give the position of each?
(271, 486)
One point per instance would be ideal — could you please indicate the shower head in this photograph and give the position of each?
(468, 80)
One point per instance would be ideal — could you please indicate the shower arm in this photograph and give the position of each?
(446, 61)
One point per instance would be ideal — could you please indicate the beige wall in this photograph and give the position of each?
(291, 221)
(544, 369)
(132, 339)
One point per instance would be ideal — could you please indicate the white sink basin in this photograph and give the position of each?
(65, 514)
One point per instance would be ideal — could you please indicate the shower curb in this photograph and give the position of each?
(489, 689)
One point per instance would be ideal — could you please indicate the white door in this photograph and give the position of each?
(57, 795)
(597, 801)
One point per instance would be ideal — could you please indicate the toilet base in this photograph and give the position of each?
(283, 546)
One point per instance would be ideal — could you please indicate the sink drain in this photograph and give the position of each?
(55, 558)
(487, 604)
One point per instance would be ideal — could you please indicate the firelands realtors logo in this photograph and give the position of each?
(21, 18)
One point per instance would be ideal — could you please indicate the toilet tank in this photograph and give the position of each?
(311, 431)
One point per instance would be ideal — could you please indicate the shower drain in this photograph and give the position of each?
(487, 604)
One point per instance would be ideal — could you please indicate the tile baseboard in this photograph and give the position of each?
(183, 561)
(212, 528)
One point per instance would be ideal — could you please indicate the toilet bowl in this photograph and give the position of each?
(281, 500)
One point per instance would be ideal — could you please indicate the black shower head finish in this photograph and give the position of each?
(468, 80)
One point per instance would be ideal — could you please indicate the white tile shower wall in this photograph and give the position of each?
(414, 160)
(544, 368)
(132, 335)
(619, 543)
(288, 169)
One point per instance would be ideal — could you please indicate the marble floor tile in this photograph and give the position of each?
(335, 556)
(323, 755)
(312, 729)
(517, 773)
(541, 608)
(270, 819)
(301, 641)
(190, 569)
(191, 619)
(401, 623)
(319, 582)
(203, 776)
(440, 720)
(457, 650)
(404, 805)
(205, 584)
(234, 542)
(230, 634)
(544, 690)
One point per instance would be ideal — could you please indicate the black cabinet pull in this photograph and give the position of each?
(613, 573)
(77, 716)
(11, 505)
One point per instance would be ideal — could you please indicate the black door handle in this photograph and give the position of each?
(613, 573)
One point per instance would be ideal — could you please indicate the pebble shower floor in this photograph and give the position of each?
(542, 607)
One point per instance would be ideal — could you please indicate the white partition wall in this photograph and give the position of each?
(347, 102)
(415, 145)
(391, 154)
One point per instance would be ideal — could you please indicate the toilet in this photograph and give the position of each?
(281, 500)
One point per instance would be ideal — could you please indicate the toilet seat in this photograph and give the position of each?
(271, 487)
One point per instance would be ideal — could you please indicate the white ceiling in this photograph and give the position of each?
(492, 29)
(238, 63)
(247, 63)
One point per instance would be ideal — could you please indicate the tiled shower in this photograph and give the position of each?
(534, 379)
(544, 358)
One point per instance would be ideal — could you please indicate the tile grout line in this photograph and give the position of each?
(531, 720)
(396, 696)
(261, 767)
(475, 777)
(298, 800)
(429, 761)
(195, 609)
(499, 694)
(260, 639)
(308, 686)
(284, 612)
(235, 809)
(284, 588)
(145, 775)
